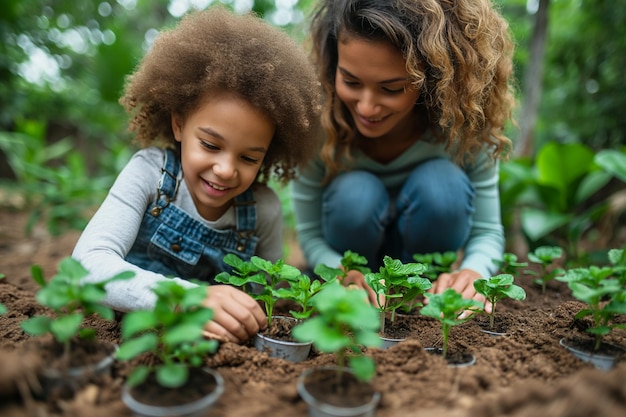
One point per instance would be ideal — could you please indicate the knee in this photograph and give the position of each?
(356, 196)
(439, 187)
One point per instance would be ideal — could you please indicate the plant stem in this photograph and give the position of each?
(446, 333)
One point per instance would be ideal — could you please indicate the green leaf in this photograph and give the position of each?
(540, 223)
(364, 367)
(182, 334)
(36, 272)
(36, 326)
(138, 375)
(172, 375)
(134, 347)
(612, 161)
(137, 321)
(64, 328)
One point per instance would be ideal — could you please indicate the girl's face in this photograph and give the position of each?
(372, 81)
(223, 143)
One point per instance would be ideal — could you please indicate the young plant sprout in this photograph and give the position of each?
(345, 322)
(261, 272)
(172, 331)
(350, 261)
(447, 308)
(496, 288)
(509, 264)
(545, 257)
(301, 292)
(602, 289)
(399, 285)
(436, 262)
(71, 300)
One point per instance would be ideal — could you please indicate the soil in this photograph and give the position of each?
(524, 374)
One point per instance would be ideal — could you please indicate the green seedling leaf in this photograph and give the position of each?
(400, 285)
(545, 256)
(138, 375)
(345, 322)
(447, 308)
(172, 375)
(602, 290)
(436, 263)
(37, 326)
(496, 288)
(172, 332)
(134, 347)
(64, 328)
(71, 299)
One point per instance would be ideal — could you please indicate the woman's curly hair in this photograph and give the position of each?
(458, 54)
(213, 51)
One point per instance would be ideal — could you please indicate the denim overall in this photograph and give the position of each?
(173, 243)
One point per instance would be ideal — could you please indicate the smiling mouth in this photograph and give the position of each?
(372, 120)
(217, 187)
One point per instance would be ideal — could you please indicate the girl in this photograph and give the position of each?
(417, 96)
(220, 104)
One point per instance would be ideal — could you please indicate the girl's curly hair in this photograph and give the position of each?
(213, 51)
(458, 53)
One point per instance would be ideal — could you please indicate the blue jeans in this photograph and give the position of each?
(432, 212)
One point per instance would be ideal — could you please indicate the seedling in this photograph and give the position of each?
(509, 264)
(545, 256)
(351, 261)
(603, 292)
(301, 292)
(71, 300)
(345, 322)
(447, 307)
(496, 288)
(260, 272)
(436, 262)
(172, 331)
(399, 285)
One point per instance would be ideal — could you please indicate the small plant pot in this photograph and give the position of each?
(144, 402)
(604, 359)
(64, 383)
(389, 342)
(395, 331)
(494, 333)
(320, 389)
(285, 349)
(455, 360)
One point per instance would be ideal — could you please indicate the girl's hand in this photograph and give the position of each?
(236, 315)
(463, 282)
(357, 279)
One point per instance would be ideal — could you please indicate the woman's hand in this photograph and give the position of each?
(357, 279)
(236, 315)
(461, 281)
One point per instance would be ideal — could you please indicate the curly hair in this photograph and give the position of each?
(212, 51)
(458, 54)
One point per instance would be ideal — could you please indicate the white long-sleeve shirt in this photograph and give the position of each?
(111, 233)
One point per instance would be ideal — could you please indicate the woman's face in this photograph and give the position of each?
(223, 143)
(373, 83)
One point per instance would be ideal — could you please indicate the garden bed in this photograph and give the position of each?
(524, 374)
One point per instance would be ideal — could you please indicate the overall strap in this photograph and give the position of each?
(168, 183)
(245, 213)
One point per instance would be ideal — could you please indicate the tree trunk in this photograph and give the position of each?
(532, 82)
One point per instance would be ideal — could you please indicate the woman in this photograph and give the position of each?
(417, 96)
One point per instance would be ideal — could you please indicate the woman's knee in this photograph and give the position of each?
(355, 197)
